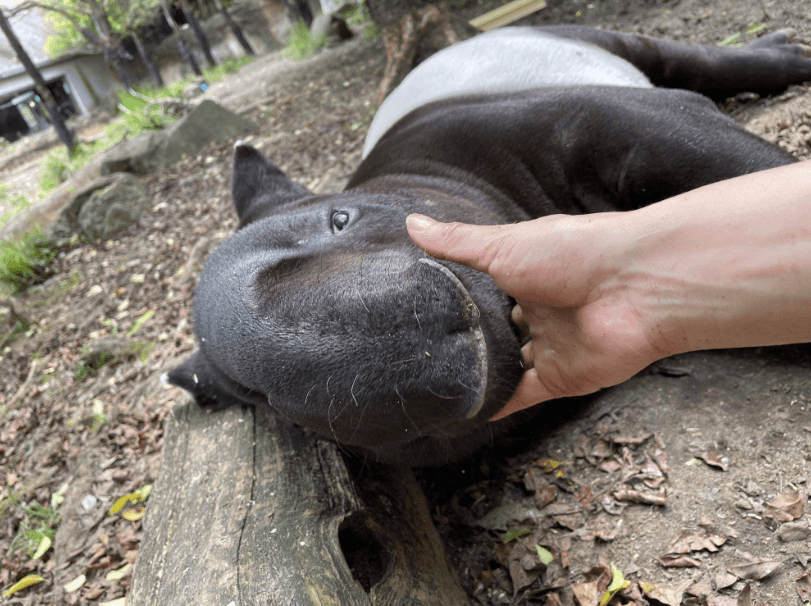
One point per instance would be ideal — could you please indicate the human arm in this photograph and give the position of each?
(605, 295)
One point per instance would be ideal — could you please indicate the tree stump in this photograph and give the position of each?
(422, 31)
(250, 510)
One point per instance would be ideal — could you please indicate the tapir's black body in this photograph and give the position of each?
(322, 307)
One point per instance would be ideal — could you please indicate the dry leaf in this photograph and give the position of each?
(723, 580)
(786, 507)
(665, 595)
(754, 571)
(587, 594)
(715, 459)
(634, 496)
(679, 561)
(804, 586)
(745, 596)
(687, 542)
(553, 599)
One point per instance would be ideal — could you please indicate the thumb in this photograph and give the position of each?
(471, 245)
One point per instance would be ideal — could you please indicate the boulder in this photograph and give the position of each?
(150, 152)
(101, 209)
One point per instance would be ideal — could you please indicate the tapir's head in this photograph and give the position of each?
(324, 308)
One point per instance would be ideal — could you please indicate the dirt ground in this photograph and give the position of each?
(714, 445)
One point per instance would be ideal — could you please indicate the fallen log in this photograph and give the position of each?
(249, 510)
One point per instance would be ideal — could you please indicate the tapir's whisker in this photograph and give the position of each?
(308, 395)
(352, 389)
(441, 396)
(361, 299)
(402, 404)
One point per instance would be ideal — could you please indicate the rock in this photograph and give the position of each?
(153, 151)
(46, 212)
(101, 209)
(127, 155)
(794, 531)
(106, 349)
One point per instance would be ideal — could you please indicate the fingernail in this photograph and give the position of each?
(419, 223)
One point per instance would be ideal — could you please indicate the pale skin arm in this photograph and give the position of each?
(605, 295)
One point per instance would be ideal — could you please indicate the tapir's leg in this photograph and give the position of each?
(770, 63)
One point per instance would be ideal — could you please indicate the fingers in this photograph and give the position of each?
(526, 356)
(518, 316)
(530, 392)
(459, 242)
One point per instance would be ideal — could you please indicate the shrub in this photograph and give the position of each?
(26, 261)
(301, 44)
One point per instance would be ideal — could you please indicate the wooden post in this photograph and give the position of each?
(251, 510)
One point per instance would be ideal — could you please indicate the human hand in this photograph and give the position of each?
(586, 325)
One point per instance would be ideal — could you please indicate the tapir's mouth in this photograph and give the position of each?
(472, 315)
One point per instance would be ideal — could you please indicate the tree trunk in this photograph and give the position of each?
(424, 30)
(65, 134)
(150, 66)
(199, 33)
(185, 52)
(251, 510)
(236, 29)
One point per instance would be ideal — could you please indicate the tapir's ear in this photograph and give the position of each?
(258, 186)
(210, 387)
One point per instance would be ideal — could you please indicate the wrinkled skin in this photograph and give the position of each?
(323, 308)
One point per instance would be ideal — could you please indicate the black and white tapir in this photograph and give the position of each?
(322, 307)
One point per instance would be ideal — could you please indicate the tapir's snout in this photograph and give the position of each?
(393, 351)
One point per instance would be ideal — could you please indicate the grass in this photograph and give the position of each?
(357, 14)
(40, 522)
(16, 203)
(25, 262)
(301, 44)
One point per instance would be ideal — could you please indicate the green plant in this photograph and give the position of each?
(39, 524)
(355, 15)
(301, 44)
(142, 113)
(58, 165)
(229, 66)
(15, 203)
(26, 261)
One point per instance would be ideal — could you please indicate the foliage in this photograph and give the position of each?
(39, 523)
(58, 165)
(301, 44)
(357, 14)
(141, 113)
(123, 16)
(26, 261)
(14, 203)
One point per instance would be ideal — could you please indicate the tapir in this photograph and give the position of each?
(321, 307)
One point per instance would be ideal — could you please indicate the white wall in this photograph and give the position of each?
(96, 76)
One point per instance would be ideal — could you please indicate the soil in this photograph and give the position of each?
(714, 444)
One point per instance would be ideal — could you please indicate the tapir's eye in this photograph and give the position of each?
(339, 220)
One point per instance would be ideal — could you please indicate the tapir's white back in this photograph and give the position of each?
(504, 60)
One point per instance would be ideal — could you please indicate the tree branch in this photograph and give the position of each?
(30, 4)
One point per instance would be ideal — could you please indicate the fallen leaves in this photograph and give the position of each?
(786, 507)
(754, 569)
(715, 459)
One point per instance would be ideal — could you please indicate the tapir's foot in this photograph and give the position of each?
(782, 40)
